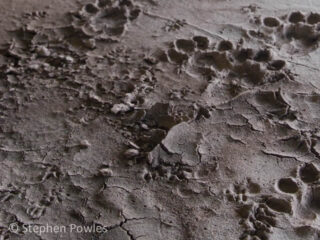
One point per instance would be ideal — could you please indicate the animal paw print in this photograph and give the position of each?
(258, 212)
(106, 17)
(300, 203)
(225, 61)
(305, 190)
(257, 220)
(301, 31)
(308, 176)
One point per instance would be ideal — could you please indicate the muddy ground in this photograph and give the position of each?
(160, 119)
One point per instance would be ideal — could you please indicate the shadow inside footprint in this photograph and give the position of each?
(271, 22)
(279, 205)
(288, 185)
(309, 173)
(314, 199)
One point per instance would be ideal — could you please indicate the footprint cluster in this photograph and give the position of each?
(257, 218)
(300, 29)
(226, 60)
(259, 212)
(305, 190)
(258, 221)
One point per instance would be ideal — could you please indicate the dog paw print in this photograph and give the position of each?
(305, 191)
(106, 18)
(223, 60)
(308, 175)
(257, 220)
(259, 213)
(301, 31)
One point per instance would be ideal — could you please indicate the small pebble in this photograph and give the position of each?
(43, 51)
(69, 59)
(34, 66)
(119, 108)
(107, 172)
(144, 126)
(130, 153)
(132, 144)
(84, 144)
(90, 43)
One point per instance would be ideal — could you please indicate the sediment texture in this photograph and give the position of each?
(178, 120)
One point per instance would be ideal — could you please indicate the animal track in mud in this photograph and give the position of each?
(202, 43)
(314, 199)
(177, 57)
(105, 19)
(305, 192)
(313, 18)
(251, 67)
(296, 17)
(260, 213)
(154, 122)
(309, 173)
(185, 45)
(225, 46)
(288, 185)
(271, 22)
(257, 220)
(279, 205)
(300, 30)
